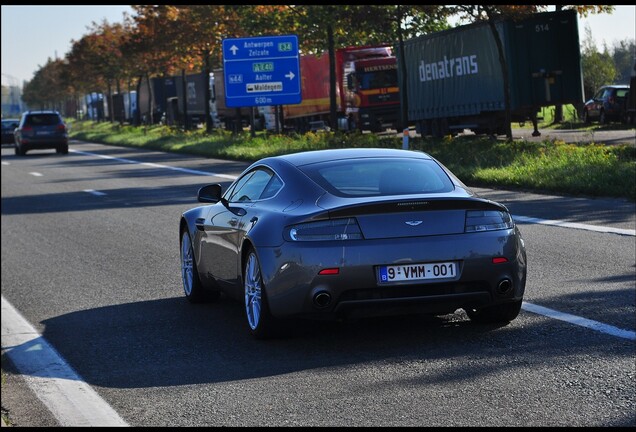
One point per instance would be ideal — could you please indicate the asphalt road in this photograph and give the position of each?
(90, 260)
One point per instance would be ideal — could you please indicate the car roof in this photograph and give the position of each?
(42, 112)
(615, 86)
(314, 156)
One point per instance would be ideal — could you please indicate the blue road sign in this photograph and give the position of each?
(261, 71)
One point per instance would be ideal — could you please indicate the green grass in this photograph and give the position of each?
(548, 166)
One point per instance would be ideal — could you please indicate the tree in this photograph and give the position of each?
(598, 68)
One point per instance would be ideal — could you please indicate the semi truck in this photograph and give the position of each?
(454, 79)
(367, 94)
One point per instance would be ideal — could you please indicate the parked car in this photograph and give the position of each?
(41, 130)
(8, 126)
(607, 104)
(341, 233)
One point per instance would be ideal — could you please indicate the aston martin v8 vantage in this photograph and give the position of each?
(342, 233)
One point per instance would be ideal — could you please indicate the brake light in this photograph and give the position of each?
(329, 271)
(27, 129)
(61, 128)
(487, 220)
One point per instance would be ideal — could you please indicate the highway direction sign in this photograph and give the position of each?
(261, 71)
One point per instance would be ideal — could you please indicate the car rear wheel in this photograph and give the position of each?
(259, 319)
(20, 150)
(501, 313)
(586, 117)
(63, 149)
(192, 286)
(602, 118)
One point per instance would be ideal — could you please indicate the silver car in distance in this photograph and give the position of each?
(344, 233)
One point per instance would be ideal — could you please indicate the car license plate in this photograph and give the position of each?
(417, 272)
(40, 133)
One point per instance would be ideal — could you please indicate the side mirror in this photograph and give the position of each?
(210, 194)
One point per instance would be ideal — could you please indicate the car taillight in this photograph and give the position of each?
(487, 220)
(332, 229)
(61, 128)
(27, 129)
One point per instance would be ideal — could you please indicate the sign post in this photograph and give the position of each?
(261, 71)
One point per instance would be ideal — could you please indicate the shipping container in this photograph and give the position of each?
(153, 95)
(454, 79)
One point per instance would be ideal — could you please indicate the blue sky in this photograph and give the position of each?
(33, 34)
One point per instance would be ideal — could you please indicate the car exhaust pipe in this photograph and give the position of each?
(505, 285)
(322, 299)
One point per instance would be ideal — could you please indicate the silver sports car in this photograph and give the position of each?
(334, 234)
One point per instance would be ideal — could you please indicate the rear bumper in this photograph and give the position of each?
(44, 143)
(295, 288)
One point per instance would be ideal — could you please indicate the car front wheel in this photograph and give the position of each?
(501, 313)
(192, 287)
(259, 319)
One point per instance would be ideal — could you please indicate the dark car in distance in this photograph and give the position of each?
(607, 105)
(43, 129)
(8, 126)
(348, 233)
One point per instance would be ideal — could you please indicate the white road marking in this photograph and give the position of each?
(154, 165)
(37, 174)
(59, 387)
(94, 192)
(597, 228)
(577, 320)
(5, 163)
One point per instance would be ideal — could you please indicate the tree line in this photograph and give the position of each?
(166, 40)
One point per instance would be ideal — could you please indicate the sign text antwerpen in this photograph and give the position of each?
(261, 71)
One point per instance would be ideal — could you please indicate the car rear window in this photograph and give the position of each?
(379, 177)
(42, 119)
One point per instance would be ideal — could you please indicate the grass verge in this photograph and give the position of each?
(550, 166)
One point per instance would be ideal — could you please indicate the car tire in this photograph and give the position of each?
(63, 149)
(586, 117)
(261, 323)
(20, 150)
(602, 119)
(192, 287)
(501, 313)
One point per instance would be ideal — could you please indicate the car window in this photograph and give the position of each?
(257, 184)
(42, 120)
(621, 92)
(380, 177)
(10, 125)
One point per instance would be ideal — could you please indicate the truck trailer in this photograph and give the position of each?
(367, 94)
(454, 79)
(229, 118)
